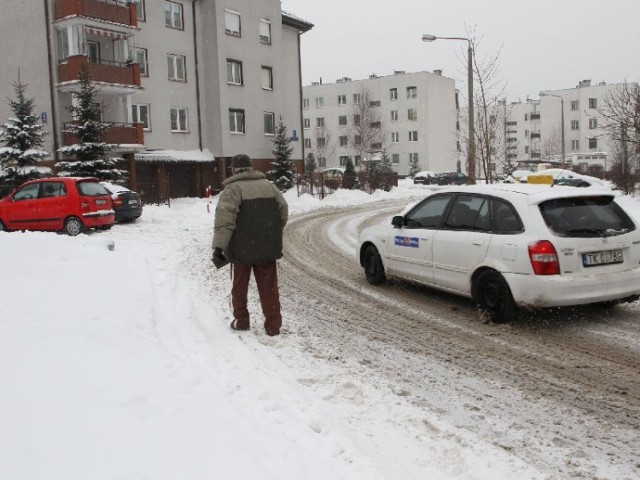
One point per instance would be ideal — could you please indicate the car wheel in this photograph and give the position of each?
(2, 227)
(494, 297)
(373, 268)
(73, 226)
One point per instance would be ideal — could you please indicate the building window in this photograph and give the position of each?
(342, 120)
(374, 103)
(305, 103)
(173, 15)
(356, 120)
(178, 116)
(344, 140)
(234, 72)
(141, 59)
(412, 92)
(394, 115)
(267, 78)
(319, 122)
(526, 149)
(413, 136)
(395, 137)
(357, 139)
(393, 94)
(593, 143)
(307, 123)
(575, 104)
(342, 99)
(176, 67)
(140, 13)
(232, 23)
(413, 157)
(321, 142)
(236, 121)
(319, 102)
(575, 145)
(575, 124)
(395, 158)
(356, 160)
(93, 52)
(593, 123)
(265, 31)
(375, 124)
(376, 146)
(412, 114)
(140, 114)
(269, 123)
(307, 143)
(356, 98)
(593, 103)
(343, 160)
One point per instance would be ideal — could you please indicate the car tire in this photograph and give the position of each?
(373, 267)
(2, 227)
(494, 297)
(73, 226)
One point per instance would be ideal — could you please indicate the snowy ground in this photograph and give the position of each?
(118, 363)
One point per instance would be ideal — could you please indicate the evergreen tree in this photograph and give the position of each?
(381, 173)
(282, 171)
(414, 166)
(350, 180)
(22, 136)
(91, 154)
(310, 164)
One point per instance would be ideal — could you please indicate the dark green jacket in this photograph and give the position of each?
(250, 217)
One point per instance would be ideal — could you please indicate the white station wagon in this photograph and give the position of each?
(510, 246)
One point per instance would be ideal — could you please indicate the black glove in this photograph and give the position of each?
(218, 258)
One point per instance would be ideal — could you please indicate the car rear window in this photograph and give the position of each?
(91, 189)
(598, 216)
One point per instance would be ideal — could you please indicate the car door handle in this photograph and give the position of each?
(477, 243)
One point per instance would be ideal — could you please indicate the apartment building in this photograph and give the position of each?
(415, 113)
(535, 133)
(185, 84)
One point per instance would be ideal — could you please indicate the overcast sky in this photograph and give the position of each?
(545, 44)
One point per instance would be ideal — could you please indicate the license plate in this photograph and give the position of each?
(133, 202)
(101, 202)
(607, 257)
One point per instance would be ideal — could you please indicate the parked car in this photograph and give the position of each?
(511, 246)
(425, 178)
(126, 203)
(451, 178)
(571, 182)
(69, 204)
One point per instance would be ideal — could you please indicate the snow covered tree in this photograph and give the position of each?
(91, 153)
(414, 166)
(282, 172)
(22, 136)
(350, 179)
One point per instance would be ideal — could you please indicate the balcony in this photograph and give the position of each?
(112, 11)
(118, 133)
(535, 116)
(535, 135)
(109, 72)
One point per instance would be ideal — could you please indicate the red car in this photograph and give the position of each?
(68, 204)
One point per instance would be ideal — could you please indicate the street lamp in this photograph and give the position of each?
(471, 150)
(544, 94)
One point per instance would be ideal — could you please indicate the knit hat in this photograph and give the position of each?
(241, 161)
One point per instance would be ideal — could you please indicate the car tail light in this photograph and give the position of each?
(544, 258)
(116, 201)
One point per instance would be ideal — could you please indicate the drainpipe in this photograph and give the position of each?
(52, 89)
(195, 56)
(301, 100)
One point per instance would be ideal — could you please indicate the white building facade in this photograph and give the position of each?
(415, 112)
(190, 81)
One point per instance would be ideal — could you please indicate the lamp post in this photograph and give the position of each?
(543, 94)
(471, 149)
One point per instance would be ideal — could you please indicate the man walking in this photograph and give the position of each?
(250, 217)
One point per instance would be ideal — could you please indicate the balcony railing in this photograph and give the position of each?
(107, 10)
(104, 71)
(118, 133)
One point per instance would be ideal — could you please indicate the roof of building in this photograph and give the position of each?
(197, 156)
(292, 21)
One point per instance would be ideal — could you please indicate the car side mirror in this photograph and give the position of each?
(397, 221)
